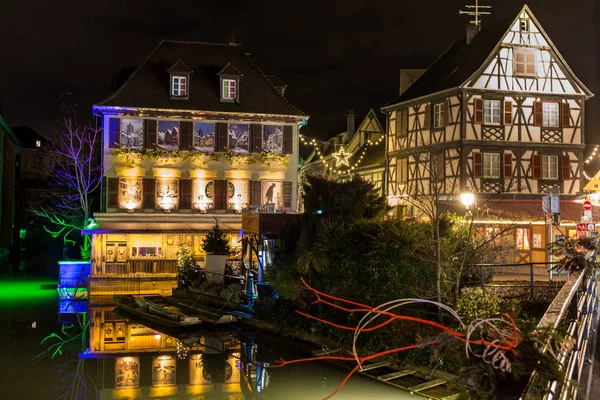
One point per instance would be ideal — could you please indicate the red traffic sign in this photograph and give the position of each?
(587, 205)
(586, 227)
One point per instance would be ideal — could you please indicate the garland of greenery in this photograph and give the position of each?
(264, 157)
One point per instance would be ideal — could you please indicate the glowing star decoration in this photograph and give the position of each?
(342, 159)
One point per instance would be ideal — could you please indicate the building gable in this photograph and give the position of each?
(526, 60)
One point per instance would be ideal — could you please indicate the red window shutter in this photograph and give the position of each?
(566, 167)
(112, 189)
(477, 165)
(427, 123)
(150, 132)
(446, 116)
(114, 133)
(507, 165)
(288, 139)
(287, 194)
(255, 193)
(508, 106)
(538, 114)
(220, 136)
(149, 195)
(565, 117)
(220, 195)
(185, 135)
(185, 194)
(256, 133)
(478, 111)
(536, 162)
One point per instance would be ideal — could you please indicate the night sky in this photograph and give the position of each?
(334, 55)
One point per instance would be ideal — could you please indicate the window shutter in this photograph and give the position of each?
(220, 136)
(507, 165)
(287, 194)
(112, 189)
(478, 115)
(477, 165)
(288, 139)
(256, 134)
(565, 117)
(446, 111)
(255, 193)
(114, 133)
(185, 135)
(566, 168)
(538, 114)
(185, 194)
(220, 194)
(150, 132)
(536, 162)
(427, 123)
(508, 106)
(149, 195)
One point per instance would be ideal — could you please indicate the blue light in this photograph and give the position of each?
(319, 212)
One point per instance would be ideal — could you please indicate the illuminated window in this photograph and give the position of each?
(550, 115)
(491, 165)
(38, 143)
(202, 195)
(179, 86)
(524, 61)
(229, 90)
(438, 115)
(549, 167)
(237, 195)
(523, 239)
(146, 245)
(402, 170)
(130, 193)
(273, 138)
(491, 111)
(167, 194)
(132, 133)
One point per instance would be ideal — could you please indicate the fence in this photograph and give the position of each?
(136, 266)
(529, 279)
(578, 302)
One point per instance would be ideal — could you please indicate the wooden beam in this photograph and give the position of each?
(427, 385)
(369, 367)
(396, 375)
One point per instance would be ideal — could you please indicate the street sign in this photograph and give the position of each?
(586, 227)
(587, 205)
(587, 214)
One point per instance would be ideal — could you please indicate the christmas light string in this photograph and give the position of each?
(493, 353)
(342, 158)
(589, 160)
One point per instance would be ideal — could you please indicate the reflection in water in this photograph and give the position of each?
(130, 360)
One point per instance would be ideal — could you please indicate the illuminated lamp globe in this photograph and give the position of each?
(467, 199)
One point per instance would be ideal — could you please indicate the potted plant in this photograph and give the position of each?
(217, 247)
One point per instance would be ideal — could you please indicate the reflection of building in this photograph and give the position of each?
(221, 158)
(9, 150)
(359, 151)
(140, 361)
(500, 114)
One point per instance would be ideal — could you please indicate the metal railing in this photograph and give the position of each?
(141, 266)
(578, 302)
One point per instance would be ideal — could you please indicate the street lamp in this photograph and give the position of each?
(467, 199)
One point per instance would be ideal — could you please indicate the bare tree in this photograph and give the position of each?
(76, 173)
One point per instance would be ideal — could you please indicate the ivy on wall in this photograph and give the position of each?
(129, 156)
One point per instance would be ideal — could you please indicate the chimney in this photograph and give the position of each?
(350, 123)
(472, 30)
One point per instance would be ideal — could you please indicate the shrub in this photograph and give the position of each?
(474, 304)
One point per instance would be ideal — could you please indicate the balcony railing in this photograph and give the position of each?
(140, 266)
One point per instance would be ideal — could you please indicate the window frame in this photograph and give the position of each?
(526, 26)
(525, 52)
(525, 234)
(545, 167)
(491, 111)
(229, 81)
(438, 115)
(546, 114)
(438, 162)
(402, 178)
(178, 92)
(489, 157)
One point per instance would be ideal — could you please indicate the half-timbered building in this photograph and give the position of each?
(197, 133)
(357, 151)
(500, 114)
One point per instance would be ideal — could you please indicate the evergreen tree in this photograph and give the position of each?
(216, 242)
(187, 267)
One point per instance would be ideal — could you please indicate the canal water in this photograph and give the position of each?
(44, 354)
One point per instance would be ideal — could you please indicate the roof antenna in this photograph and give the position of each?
(477, 13)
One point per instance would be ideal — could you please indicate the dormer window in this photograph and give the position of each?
(38, 143)
(179, 86)
(229, 89)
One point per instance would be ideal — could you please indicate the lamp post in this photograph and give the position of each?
(467, 199)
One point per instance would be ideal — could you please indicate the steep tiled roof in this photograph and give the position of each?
(457, 64)
(149, 85)
(374, 155)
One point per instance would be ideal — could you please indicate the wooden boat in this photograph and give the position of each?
(170, 317)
